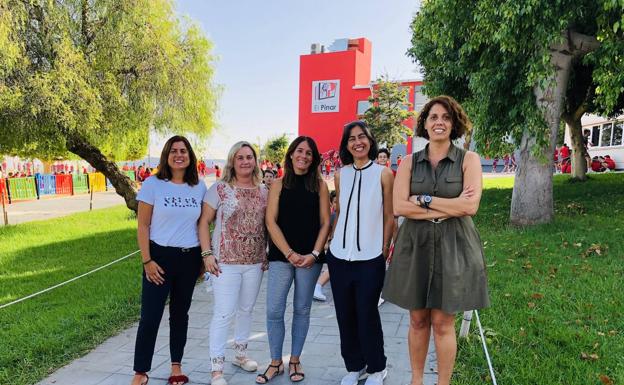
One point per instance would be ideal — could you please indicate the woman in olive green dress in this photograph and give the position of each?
(438, 267)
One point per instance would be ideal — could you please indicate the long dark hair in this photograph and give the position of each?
(190, 173)
(345, 155)
(312, 178)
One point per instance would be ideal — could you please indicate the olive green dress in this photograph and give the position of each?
(437, 265)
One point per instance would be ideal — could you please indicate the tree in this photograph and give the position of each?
(513, 65)
(275, 149)
(388, 112)
(93, 77)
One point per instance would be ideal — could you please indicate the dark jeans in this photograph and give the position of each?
(181, 268)
(356, 287)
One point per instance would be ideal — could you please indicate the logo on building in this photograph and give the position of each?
(325, 96)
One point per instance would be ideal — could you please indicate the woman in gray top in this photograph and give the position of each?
(438, 266)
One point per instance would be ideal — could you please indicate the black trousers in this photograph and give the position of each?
(356, 287)
(181, 268)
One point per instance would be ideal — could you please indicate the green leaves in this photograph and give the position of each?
(275, 149)
(108, 70)
(388, 112)
(490, 55)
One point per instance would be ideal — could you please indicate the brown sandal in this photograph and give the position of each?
(295, 372)
(142, 374)
(265, 378)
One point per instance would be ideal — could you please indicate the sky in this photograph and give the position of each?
(258, 44)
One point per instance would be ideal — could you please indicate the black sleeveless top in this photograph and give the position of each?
(299, 220)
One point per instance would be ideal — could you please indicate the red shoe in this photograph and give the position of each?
(178, 380)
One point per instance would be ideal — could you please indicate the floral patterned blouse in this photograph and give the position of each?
(239, 236)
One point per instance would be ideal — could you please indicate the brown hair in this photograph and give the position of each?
(312, 177)
(190, 173)
(461, 123)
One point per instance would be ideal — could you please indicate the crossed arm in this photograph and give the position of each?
(467, 203)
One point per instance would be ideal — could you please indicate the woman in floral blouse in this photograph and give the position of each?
(236, 255)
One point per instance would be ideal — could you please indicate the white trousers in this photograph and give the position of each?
(235, 293)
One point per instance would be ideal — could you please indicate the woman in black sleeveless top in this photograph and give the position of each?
(297, 218)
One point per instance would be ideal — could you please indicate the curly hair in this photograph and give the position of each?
(461, 122)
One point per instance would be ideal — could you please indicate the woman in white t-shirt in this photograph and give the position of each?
(170, 204)
(236, 255)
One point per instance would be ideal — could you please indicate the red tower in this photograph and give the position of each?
(334, 88)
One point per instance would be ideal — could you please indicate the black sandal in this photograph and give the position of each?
(295, 372)
(280, 370)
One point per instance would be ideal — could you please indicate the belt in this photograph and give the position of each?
(437, 220)
(181, 249)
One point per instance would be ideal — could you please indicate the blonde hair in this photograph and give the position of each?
(229, 175)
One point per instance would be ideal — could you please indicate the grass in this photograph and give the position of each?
(43, 333)
(556, 289)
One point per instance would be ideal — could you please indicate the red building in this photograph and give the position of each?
(334, 87)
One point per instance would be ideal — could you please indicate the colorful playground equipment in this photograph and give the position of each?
(44, 185)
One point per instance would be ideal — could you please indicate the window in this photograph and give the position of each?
(617, 134)
(362, 106)
(595, 134)
(605, 135)
(419, 98)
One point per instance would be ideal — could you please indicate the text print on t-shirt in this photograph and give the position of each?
(180, 202)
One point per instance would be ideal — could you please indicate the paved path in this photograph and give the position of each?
(52, 207)
(111, 362)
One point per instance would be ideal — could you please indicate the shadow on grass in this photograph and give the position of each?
(47, 331)
(31, 269)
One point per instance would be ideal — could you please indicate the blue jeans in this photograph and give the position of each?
(281, 276)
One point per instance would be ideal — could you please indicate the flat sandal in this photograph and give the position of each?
(275, 374)
(295, 372)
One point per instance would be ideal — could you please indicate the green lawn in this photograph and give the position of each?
(557, 290)
(43, 333)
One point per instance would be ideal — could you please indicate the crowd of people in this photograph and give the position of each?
(563, 161)
(509, 163)
(287, 226)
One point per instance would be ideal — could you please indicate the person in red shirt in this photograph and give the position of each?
(564, 153)
(280, 170)
(597, 164)
(556, 160)
(609, 162)
(494, 164)
(217, 171)
(327, 166)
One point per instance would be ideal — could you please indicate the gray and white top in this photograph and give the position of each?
(177, 208)
(358, 233)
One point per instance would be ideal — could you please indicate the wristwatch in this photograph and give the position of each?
(425, 200)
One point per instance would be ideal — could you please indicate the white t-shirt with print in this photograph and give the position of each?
(177, 208)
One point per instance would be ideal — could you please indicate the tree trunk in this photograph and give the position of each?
(123, 185)
(532, 198)
(579, 165)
